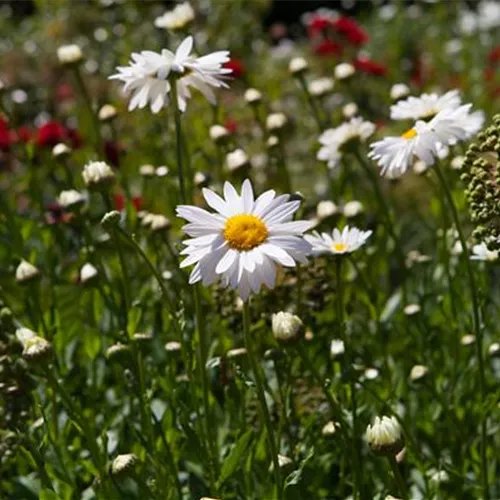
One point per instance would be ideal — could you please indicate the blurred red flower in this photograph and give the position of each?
(317, 25)
(350, 30)
(112, 151)
(119, 199)
(328, 48)
(366, 65)
(24, 134)
(236, 66)
(5, 136)
(64, 92)
(50, 133)
(494, 56)
(231, 125)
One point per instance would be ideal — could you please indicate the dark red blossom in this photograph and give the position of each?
(236, 66)
(318, 24)
(494, 56)
(350, 30)
(119, 199)
(328, 48)
(50, 133)
(231, 125)
(366, 65)
(5, 136)
(24, 134)
(112, 151)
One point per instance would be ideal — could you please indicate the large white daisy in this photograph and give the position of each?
(149, 74)
(245, 240)
(336, 141)
(424, 107)
(423, 141)
(338, 242)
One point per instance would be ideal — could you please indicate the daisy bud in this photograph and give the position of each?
(161, 171)
(371, 373)
(237, 353)
(253, 97)
(88, 274)
(343, 71)
(399, 90)
(272, 142)
(438, 476)
(71, 199)
(118, 352)
(111, 219)
(494, 350)
(457, 162)
(123, 464)
(219, 134)
(418, 372)
(286, 327)
(147, 170)
(176, 19)
(60, 150)
(330, 428)
(321, 87)
(467, 340)
(350, 110)
(276, 122)
(352, 209)
(201, 180)
(326, 209)
(173, 346)
(160, 223)
(237, 159)
(337, 348)
(26, 272)
(107, 113)
(411, 309)
(298, 65)
(37, 350)
(97, 174)
(384, 436)
(420, 167)
(69, 54)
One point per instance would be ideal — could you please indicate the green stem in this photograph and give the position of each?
(262, 398)
(125, 284)
(287, 183)
(477, 326)
(399, 478)
(312, 103)
(178, 143)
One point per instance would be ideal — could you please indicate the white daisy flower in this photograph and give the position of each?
(395, 155)
(481, 252)
(347, 241)
(321, 86)
(177, 18)
(399, 90)
(425, 106)
(335, 141)
(245, 240)
(147, 76)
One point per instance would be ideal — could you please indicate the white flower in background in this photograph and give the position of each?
(69, 54)
(438, 476)
(350, 110)
(147, 170)
(272, 141)
(411, 309)
(123, 464)
(218, 133)
(176, 19)
(336, 141)
(343, 71)
(26, 272)
(321, 86)
(107, 112)
(97, 173)
(276, 121)
(88, 273)
(245, 240)
(253, 96)
(399, 90)
(494, 350)
(156, 222)
(161, 171)
(298, 65)
(486, 17)
(457, 162)
(71, 198)
(384, 435)
(468, 340)
(395, 155)
(60, 150)
(337, 348)
(338, 243)
(286, 326)
(481, 252)
(35, 348)
(352, 209)
(325, 209)
(147, 76)
(330, 428)
(237, 159)
(201, 179)
(418, 372)
(425, 106)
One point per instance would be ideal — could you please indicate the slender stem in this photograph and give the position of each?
(311, 102)
(477, 326)
(259, 386)
(287, 183)
(125, 284)
(399, 478)
(299, 290)
(178, 143)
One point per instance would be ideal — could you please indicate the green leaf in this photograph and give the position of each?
(48, 495)
(235, 457)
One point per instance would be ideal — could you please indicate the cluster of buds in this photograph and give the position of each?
(481, 172)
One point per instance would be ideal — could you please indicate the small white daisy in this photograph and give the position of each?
(147, 76)
(481, 252)
(424, 107)
(177, 18)
(423, 141)
(336, 141)
(245, 240)
(347, 241)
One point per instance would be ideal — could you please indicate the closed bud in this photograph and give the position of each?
(88, 274)
(344, 70)
(69, 54)
(384, 436)
(337, 348)
(253, 97)
(298, 65)
(142, 338)
(107, 113)
(276, 122)
(219, 134)
(321, 87)
(418, 372)
(61, 150)
(111, 219)
(26, 272)
(71, 199)
(37, 350)
(123, 464)
(98, 175)
(147, 170)
(286, 327)
(118, 352)
(236, 160)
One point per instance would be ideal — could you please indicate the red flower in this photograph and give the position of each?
(5, 136)
(371, 67)
(119, 199)
(328, 48)
(236, 66)
(64, 92)
(24, 134)
(74, 138)
(112, 151)
(494, 56)
(350, 30)
(231, 125)
(50, 134)
(317, 25)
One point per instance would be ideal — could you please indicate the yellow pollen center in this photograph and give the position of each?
(409, 134)
(339, 247)
(244, 232)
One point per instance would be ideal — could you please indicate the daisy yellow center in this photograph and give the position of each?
(339, 247)
(409, 134)
(244, 232)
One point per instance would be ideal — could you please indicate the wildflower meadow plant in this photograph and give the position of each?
(257, 261)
